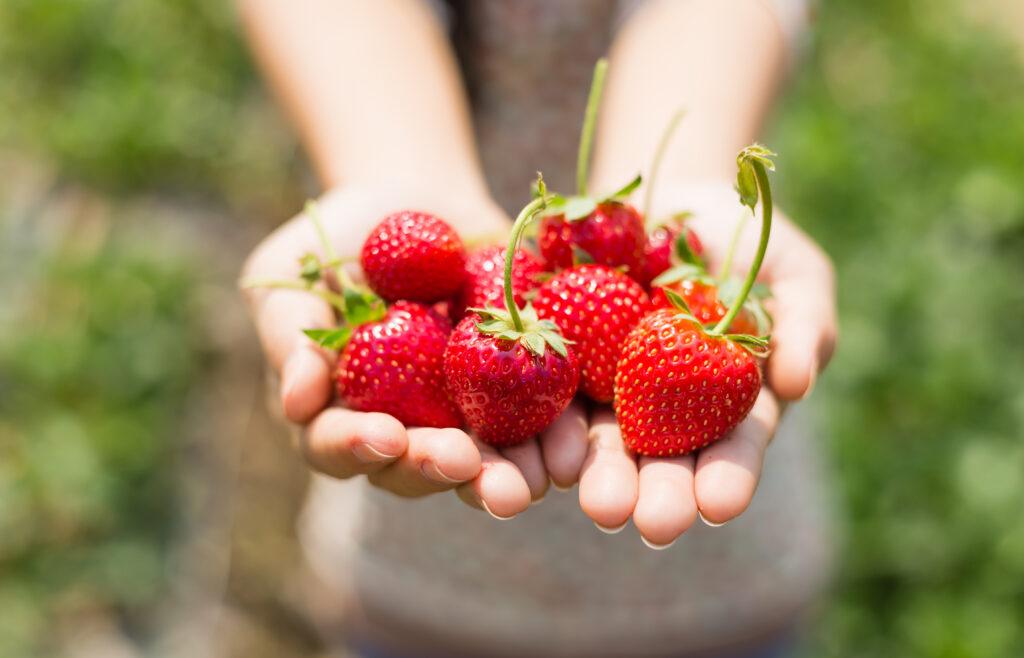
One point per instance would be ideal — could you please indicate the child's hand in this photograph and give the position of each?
(663, 496)
(343, 443)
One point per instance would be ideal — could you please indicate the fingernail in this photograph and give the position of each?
(812, 380)
(293, 367)
(610, 531)
(709, 523)
(657, 547)
(561, 488)
(288, 376)
(432, 472)
(535, 502)
(488, 510)
(367, 454)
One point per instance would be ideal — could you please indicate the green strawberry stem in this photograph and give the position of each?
(332, 298)
(525, 215)
(723, 273)
(755, 160)
(589, 122)
(659, 154)
(336, 264)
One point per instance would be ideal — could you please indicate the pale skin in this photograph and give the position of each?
(389, 128)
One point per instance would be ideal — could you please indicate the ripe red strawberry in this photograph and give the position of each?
(507, 391)
(395, 365)
(612, 234)
(414, 256)
(678, 388)
(586, 228)
(682, 385)
(485, 271)
(702, 298)
(659, 246)
(595, 306)
(510, 372)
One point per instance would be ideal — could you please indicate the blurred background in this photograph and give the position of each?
(146, 498)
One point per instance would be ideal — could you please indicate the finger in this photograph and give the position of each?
(500, 489)
(528, 459)
(436, 459)
(728, 471)
(666, 506)
(305, 368)
(804, 334)
(564, 445)
(342, 443)
(608, 482)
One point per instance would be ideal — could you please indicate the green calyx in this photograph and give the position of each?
(578, 207)
(513, 323)
(355, 304)
(756, 345)
(533, 333)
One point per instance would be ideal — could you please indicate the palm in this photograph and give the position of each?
(663, 496)
(344, 443)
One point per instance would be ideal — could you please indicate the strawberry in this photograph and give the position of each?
(680, 384)
(659, 246)
(510, 372)
(611, 234)
(395, 365)
(592, 229)
(702, 299)
(595, 306)
(507, 389)
(678, 388)
(389, 359)
(414, 256)
(485, 270)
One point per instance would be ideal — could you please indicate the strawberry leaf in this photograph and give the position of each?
(311, 270)
(728, 290)
(580, 256)
(578, 207)
(756, 345)
(534, 342)
(684, 272)
(555, 340)
(362, 306)
(677, 300)
(625, 190)
(332, 339)
(683, 251)
(746, 184)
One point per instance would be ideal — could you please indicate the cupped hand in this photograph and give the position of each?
(342, 443)
(664, 496)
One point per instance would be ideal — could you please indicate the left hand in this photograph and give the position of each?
(664, 495)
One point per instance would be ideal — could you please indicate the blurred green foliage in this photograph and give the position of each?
(901, 153)
(901, 146)
(98, 350)
(147, 94)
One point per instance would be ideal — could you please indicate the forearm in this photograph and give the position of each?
(719, 61)
(372, 87)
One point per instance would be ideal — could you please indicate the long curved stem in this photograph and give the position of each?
(589, 121)
(659, 155)
(766, 227)
(733, 243)
(336, 264)
(525, 215)
(332, 298)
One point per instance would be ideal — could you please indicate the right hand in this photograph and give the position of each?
(343, 443)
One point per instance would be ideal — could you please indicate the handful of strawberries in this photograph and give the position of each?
(500, 340)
